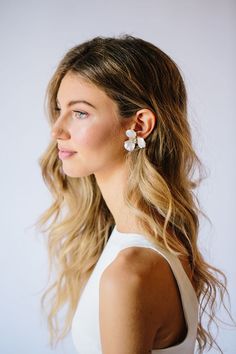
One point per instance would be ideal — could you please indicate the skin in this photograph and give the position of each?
(98, 138)
(98, 135)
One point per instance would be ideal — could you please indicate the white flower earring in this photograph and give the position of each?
(133, 139)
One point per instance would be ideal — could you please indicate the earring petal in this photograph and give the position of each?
(130, 133)
(129, 145)
(141, 142)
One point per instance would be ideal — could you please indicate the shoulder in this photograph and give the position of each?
(131, 290)
(139, 264)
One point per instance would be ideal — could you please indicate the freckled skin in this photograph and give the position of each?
(98, 137)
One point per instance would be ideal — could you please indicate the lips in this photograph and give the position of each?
(65, 150)
(65, 154)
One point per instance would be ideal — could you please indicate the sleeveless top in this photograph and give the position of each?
(85, 329)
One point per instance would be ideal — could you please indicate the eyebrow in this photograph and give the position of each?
(71, 103)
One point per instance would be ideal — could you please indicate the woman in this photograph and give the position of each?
(125, 228)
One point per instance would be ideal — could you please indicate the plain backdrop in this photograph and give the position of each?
(34, 35)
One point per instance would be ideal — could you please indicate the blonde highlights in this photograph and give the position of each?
(135, 74)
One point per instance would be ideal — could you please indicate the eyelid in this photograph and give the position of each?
(78, 111)
(58, 109)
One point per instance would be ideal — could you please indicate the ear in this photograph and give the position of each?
(144, 122)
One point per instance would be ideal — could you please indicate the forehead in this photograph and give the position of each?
(75, 87)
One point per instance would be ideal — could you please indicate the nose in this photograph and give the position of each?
(59, 132)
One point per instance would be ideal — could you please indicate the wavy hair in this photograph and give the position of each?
(135, 74)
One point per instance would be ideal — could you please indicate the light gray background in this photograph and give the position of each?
(200, 37)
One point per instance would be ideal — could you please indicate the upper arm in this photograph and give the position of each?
(125, 309)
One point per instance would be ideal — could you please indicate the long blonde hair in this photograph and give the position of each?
(135, 74)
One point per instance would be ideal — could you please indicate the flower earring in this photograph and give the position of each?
(133, 139)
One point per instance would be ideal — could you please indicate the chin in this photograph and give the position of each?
(75, 174)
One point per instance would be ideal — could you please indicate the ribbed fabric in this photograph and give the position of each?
(85, 325)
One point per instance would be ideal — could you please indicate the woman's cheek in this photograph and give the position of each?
(82, 138)
(89, 137)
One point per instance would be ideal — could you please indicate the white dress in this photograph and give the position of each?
(85, 329)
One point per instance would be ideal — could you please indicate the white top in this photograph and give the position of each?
(85, 325)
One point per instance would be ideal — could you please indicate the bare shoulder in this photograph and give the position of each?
(138, 266)
(141, 262)
(132, 289)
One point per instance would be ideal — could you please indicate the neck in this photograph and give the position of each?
(112, 189)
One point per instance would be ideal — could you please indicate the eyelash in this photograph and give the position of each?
(73, 113)
(80, 112)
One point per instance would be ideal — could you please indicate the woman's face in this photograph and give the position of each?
(92, 130)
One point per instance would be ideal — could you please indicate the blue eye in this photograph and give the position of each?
(79, 114)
